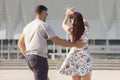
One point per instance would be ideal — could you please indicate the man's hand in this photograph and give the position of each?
(21, 45)
(79, 44)
(65, 43)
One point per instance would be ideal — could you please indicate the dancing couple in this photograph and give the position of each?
(33, 45)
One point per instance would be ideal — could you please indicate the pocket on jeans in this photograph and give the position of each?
(33, 61)
(45, 63)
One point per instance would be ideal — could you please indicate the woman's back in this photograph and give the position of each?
(84, 38)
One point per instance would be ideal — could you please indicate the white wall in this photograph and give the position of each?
(103, 16)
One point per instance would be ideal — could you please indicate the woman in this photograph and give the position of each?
(78, 62)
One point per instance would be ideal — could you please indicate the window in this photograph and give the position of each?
(100, 42)
(114, 42)
(5, 55)
(91, 42)
(49, 42)
(13, 55)
(5, 44)
(0, 44)
(16, 42)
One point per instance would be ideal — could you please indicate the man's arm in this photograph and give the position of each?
(65, 43)
(21, 45)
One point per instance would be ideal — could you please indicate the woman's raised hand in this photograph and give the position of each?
(70, 11)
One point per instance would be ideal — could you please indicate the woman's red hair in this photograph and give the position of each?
(78, 26)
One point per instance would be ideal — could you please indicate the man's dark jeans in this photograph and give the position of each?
(38, 65)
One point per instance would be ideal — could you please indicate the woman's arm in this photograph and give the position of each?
(68, 13)
(86, 23)
(65, 25)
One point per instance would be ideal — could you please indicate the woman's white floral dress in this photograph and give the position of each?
(79, 61)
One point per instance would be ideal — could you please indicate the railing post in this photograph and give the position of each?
(53, 56)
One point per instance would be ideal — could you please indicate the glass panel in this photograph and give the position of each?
(5, 44)
(91, 42)
(5, 55)
(0, 55)
(49, 42)
(13, 55)
(114, 42)
(100, 42)
(21, 56)
(0, 44)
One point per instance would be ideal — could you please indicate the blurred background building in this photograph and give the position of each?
(103, 17)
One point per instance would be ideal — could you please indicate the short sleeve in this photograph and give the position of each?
(49, 31)
(23, 32)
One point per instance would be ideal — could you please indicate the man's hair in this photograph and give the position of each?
(40, 8)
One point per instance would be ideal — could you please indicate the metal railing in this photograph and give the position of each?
(11, 51)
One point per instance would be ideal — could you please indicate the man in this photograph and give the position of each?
(33, 43)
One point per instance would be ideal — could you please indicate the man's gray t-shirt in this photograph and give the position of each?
(36, 34)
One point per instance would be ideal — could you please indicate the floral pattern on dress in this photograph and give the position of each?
(79, 61)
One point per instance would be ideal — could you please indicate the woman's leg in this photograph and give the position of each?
(86, 77)
(76, 77)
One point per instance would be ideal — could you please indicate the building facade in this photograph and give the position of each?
(103, 17)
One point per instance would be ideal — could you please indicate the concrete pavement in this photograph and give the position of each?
(54, 75)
